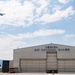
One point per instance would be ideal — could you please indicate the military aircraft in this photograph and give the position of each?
(1, 14)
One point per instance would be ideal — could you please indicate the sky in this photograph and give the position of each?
(1, 63)
(28, 23)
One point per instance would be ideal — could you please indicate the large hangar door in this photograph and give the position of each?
(52, 61)
(66, 65)
(32, 65)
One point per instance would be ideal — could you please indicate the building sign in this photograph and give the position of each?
(66, 49)
(49, 47)
(52, 48)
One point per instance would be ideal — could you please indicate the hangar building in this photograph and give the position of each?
(45, 58)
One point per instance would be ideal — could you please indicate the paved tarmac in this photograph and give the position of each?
(37, 74)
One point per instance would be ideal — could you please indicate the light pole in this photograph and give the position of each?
(53, 72)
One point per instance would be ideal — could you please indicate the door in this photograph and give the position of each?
(52, 62)
(66, 65)
(33, 65)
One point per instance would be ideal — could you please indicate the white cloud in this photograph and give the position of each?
(63, 1)
(56, 7)
(69, 35)
(58, 15)
(16, 14)
(39, 33)
(43, 4)
(47, 32)
(30, 11)
(7, 45)
(8, 42)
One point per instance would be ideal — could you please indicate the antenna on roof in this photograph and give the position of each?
(17, 48)
(51, 43)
